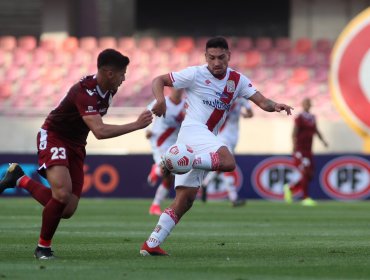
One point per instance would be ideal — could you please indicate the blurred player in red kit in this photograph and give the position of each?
(61, 144)
(162, 134)
(305, 127)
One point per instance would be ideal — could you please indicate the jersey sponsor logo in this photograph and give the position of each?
(270, 175)
(346, 178)
(217, 104)
(90, 109)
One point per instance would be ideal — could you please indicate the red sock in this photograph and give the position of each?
(50, 219)
(304, 184)
(38, 191)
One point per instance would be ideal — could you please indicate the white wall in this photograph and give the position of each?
(257, 136)
(317, 19)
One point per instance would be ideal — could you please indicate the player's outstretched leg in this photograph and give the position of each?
(11, 177)
(43, 253)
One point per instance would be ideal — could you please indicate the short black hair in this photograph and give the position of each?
(217, 42)
(111, 57)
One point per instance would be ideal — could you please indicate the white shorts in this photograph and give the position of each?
(202, 141)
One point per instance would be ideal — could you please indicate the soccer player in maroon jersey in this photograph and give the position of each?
(305, 127)
(61, 144)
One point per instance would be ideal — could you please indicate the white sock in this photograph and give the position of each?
(231, 191)
(207, 161)
(161, 231)
(160, 195)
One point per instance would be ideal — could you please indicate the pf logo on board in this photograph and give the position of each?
(270, 175)
(346, 178)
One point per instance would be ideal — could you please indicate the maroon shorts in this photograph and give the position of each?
(52, 150)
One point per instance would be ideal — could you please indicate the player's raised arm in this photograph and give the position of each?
(158, 84)
(104, 131)
(269, 105)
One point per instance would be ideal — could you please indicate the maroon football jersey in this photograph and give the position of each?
(84, 98)
(306, 129)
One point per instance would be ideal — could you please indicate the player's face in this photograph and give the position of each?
(116, 78)
(306, 104)
(218, 60)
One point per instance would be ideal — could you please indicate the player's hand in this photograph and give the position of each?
(283, 107)
(148, 134)
(144, 119)
(159, 108)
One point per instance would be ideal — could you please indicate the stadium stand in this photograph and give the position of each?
(290, 69)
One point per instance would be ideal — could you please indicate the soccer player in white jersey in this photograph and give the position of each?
(229, 135)
(162, 134)
(210, 91)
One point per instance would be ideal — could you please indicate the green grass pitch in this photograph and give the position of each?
(263, 240)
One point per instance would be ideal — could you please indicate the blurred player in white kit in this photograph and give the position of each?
(162, 134)
(229, 134)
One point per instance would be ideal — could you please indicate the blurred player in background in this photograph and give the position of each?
(305, 127)
(162, 134)
(61, 144)
(229, 134)
(210, 91)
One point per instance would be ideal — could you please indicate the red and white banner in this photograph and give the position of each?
(350, 73)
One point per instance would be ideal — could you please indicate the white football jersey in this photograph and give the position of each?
(165, 129)
(209, 99)
(229, 131)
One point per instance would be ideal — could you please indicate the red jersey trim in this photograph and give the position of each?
(217, 114)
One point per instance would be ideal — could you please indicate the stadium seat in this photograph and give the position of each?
(300, 75)
(165, 43)
(127, 44)
(260, 74)
(323, 45)
(146, 43)
(185, 44)
(283, 44)
(8, 43)
(309, 59)
(20, 57)
(320, 74)
(5, 90)
(48, 44)
(244, 44)
(280, 74)
(27, 43)
(271, 58)
(107, 42)
(303, 45)
(263, 44)
(290, 59)
(252, 59)
(88, 43)
(70, 44)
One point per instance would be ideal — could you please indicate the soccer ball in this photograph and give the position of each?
(179, 158)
